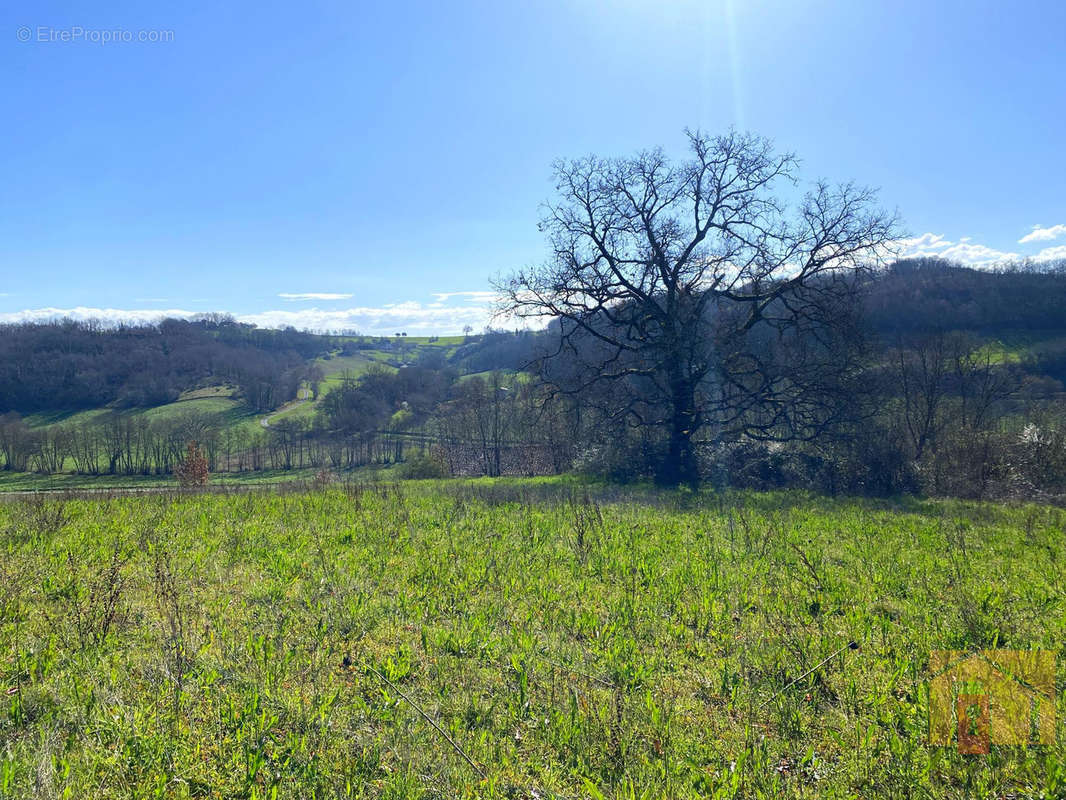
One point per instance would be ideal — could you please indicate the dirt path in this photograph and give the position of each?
(302, 396)
(176, 491)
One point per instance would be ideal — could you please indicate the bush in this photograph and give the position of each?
(1037, 463)
(870, 460)
(625, 459)
(424, 466)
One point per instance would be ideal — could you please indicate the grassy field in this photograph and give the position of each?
(213, 402)
(336, 368)
(223, 404)
(569, 640)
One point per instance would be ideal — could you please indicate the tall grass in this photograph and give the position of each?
(508, 639)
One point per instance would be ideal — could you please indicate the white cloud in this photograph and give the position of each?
(1051, 253)
(313, 296)
(963, 251)
(416, 318)
(976, 255)
(972, 254)
(472, 297)
(1041, 234)
(106, 315)
(928, 244)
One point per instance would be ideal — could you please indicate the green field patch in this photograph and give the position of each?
(209, 391)
(75, 417)
(571, 639)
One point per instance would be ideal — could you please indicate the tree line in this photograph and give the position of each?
(932, 412)
(73, 365)
(701, 327)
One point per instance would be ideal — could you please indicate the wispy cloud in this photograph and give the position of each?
(472, 296)
(1041, 234)
(313, 296)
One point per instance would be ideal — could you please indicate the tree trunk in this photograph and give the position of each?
(680, 467)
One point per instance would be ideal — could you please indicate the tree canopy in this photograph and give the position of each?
(695, 288)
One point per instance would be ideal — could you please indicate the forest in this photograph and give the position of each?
(953, 386)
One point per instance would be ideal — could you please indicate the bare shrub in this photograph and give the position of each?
(90, 600)
(172, 614)
(192, 471)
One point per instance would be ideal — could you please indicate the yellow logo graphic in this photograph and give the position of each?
(1004, 697)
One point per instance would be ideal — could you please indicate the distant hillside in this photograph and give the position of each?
(1022, 310)
(957, 363)
(73, 366)
(924, 295)
(70, 365)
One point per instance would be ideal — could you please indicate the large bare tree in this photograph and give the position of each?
(693, 290)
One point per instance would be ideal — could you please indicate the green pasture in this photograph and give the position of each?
(510, 639)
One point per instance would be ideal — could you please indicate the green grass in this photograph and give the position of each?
(68, 417)
(212, 405)
(437, 341)
(298, 409)
(209, 391)
(338, 364)
(509, 377)
(998, 353)
(214, 402)
(1016, 346)
(572, 640)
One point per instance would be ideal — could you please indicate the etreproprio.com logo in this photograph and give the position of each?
(74, 34)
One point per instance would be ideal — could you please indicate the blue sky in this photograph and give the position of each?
(366, 159)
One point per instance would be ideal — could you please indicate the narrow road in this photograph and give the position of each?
(302, 396)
